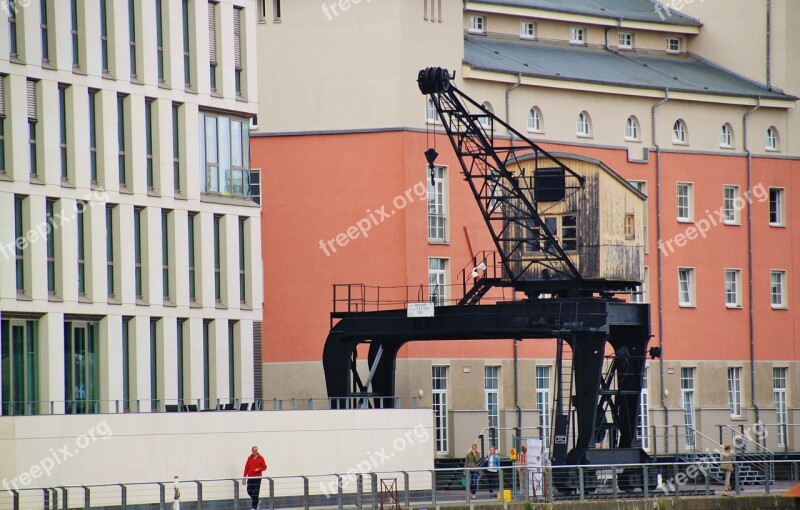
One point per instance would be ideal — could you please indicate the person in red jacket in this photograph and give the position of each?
(253, 470)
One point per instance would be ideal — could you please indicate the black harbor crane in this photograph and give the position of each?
(553, 234)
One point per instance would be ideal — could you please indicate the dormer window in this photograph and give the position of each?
(577, 35)
(625, 41)
(673, 45)
(527, 30)
(476, 24)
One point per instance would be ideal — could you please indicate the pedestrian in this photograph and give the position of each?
(253, 470)
(471, 462)
(726, 465)
(176, 494)
(492, 470)
(522, 469)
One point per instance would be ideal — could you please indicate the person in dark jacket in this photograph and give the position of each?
(472, 461)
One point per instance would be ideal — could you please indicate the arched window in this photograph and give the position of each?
(584, 125)
(430, 111)
(535, 120)
(484, 119)
(679, 134)
(632, 128)
(726, 136)
(771, 140)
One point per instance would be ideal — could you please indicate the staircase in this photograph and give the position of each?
(485, 271)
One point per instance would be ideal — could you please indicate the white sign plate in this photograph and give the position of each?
(424, 309)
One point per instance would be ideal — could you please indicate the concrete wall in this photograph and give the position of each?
(111, 449)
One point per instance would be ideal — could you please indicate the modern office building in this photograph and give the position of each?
(130, 245)
(700, 118)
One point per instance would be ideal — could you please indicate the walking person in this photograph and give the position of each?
(492, 469)
(472, 461)
(253, 470)
(726, 465)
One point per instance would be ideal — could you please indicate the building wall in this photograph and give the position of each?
(126, 313)
(112, 449)
(708, 335)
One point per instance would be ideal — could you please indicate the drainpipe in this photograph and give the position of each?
(751, 314)
(509, 90)
(769, 45)
(660, 272)
(518, 409)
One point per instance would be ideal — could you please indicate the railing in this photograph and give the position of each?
(60, 407)
(421, 488)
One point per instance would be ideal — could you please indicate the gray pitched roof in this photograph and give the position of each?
(634, 10)
(597, 65)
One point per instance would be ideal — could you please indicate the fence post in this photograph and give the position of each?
(646, 476)
(87, 498)
(736, 478)
(162, 496)
(708, 483)
(339, 492)
(64, 497)
(271, 494)
(407, 495)
(468, 484)
(581, 486)
(374, 480)
(433, 488)
(359, 491)
(15, 500)
(199, 494)
(235, 494)
(123, 496)
(614, 488)
(501, 485)
(305, 486)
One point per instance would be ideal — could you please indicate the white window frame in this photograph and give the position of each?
(535, 120)
(625, 40)
(772, 141)
(677, 45)
(439, 406)
(642, 187)
(686, 287)
(543, 401)
(680, 134)
(528, 30)
(439, 281)
(777, 289)
(491, 389)
(733, 288)
(779, 400)
(583, 125)
(430, 112)
(577, 35)
(641, 294)
(476, 24)
(484, 120)
(688, 405)
(632, 130)
(684, 211)
(437, 208)
(730, 211)
(726, 140)
(735, 391)
(644, 411)
(779, 207)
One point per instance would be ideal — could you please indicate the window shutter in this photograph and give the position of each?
(212, 32)
(2, 96)
(32, 100)
(237, 38)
